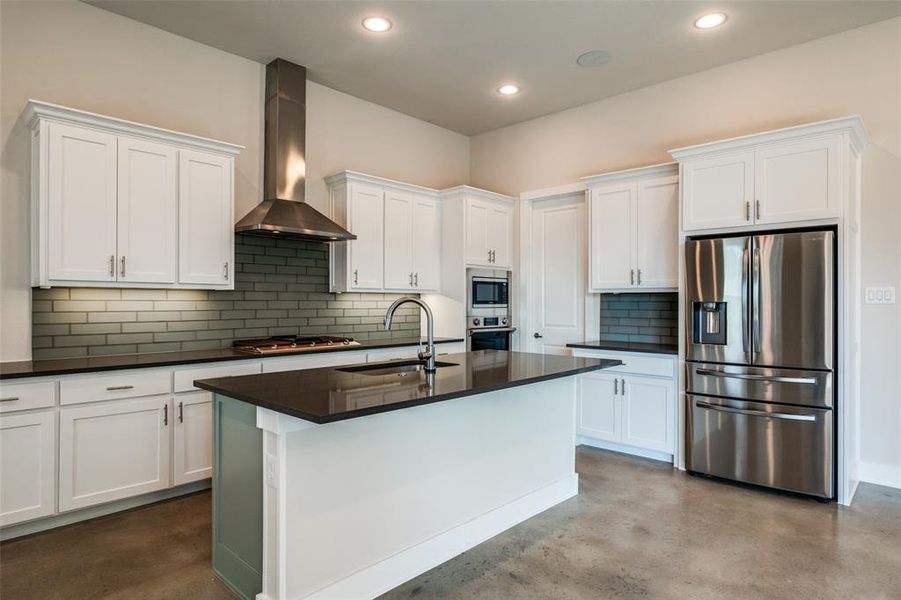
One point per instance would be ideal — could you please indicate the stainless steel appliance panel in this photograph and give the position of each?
(783, 447)
(764, 384)
(718, 271)
(793, 299)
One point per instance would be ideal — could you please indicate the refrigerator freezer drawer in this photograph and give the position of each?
(783, 447)
(764, 384)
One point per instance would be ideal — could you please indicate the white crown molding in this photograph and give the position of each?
(474, 191)
(37, 111)
(658, 170)
(356, 176)
(852, 125)
(559, 191)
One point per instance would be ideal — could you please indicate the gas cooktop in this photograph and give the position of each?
(292, 343)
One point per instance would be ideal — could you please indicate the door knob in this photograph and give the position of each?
(537, 335)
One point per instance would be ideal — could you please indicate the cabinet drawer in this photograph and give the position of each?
(184, 379)
(637, 364)
(122, 384)
(26, 396)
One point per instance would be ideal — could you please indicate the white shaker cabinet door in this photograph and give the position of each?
(717, 191)
(477, 232)
(799, 181)
(27, 463)
(206, 224)
(81, 195)
(398, 241)
(648, 413)
(147, 212)
(599, 407)
(500, 236)
(193, 437)
(612, 239)
(367, 222)
(657, 231)
(113, 450)
(426, 245)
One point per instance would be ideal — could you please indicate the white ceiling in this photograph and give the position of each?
(443, 60)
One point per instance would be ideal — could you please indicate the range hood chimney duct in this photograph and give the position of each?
(283, 212)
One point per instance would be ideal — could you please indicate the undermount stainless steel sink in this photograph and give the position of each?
(401, 367)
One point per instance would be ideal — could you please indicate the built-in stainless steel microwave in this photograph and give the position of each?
(488, 291)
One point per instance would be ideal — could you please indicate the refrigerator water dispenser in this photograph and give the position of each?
(709, 323)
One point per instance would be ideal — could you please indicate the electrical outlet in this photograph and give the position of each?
(879, 295)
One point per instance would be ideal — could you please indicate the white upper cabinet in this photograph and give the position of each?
(398, 229)
(147, 212)
(634, 225)
(206, 223)
(489, 230)
(81, 197)
(120, 204)
(785, 176)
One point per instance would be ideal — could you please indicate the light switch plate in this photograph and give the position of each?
(879, 295)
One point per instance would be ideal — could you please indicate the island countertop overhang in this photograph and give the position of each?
(330, 394)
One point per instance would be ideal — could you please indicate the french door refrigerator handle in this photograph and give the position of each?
(755, 413)
(755, 303)
(753, 377)
(745, 309)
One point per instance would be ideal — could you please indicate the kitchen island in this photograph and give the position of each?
(345, 482)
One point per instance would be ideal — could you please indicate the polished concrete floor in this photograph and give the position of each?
(638, 529)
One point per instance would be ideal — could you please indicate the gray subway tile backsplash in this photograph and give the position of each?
(648, 318)
(281, 287)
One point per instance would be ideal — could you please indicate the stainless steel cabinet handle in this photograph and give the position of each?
(416, 280)
(757, 209)
(754, 377)
(623, 387)
(122, 268)
(411, 280)
(226, 271)
(747, 210)
(639, 276)
(632, 277)
(10, 399)
(181, 412)
(756, 413)
(165, 414)
(356, 273)
(112, 265)
(616, 387)
(119, 387)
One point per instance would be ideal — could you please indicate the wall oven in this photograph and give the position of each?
(488, 333)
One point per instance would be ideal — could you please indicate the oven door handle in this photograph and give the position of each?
(753, 377)
(755, 413)
(491, 330)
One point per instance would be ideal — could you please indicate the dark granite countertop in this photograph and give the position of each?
(69, 366)
(330, 394)
(627, 347)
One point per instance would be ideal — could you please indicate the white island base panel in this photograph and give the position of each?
(357, 507)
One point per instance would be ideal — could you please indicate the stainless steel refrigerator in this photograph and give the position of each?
(760, 358)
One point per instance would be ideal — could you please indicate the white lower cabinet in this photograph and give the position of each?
(631, 408)
(27, 466)
(192, 442)
(113, 450)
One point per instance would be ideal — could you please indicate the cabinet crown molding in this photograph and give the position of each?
(37, 110)
(851, 125)
(356, 176)
(468, 190)
(658, 170)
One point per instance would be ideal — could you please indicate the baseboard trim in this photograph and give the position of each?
(880, 474)
(403, 566)
(101, 510)
(625, 449)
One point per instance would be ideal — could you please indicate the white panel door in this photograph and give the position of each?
(147, 212)
(27, 463)
(193, 437)
(599, 407)
(206, 223)
(558, 275)
(426, 245)
(82, 204)
(717, 191)
(657, 233)
(398, 241)
(500, 235)
(113, 450)
(648, 413)
(367, 221)
(612, 238)
(477, 233)
(799, 181)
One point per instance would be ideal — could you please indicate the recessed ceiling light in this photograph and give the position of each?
(593, 58)
(377, 24)
(710, 20)
(508, 89)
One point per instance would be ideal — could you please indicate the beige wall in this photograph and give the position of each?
(853, 72)
(73, 54)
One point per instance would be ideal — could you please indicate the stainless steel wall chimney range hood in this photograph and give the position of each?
(283, 212)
